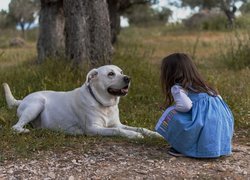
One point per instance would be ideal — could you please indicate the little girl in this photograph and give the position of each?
(199, 124)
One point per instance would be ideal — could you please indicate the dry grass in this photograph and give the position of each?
(17, 55)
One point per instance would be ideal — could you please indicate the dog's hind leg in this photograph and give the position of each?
(27, 115)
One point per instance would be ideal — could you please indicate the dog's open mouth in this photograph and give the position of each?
(118, 92)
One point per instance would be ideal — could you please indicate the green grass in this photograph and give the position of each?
(138, 52)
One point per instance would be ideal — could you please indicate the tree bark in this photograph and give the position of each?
(51, 30)
(88, 34)
(22, 24)
(114, 16)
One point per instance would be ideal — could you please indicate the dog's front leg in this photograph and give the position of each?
(112, 131)
(141, 130)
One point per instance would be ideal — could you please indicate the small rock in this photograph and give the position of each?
(10, 171)
(52, 175)
(92, 161)
(221, 169)
(150, 161)
(172, 159)
(244, 172)
(71, 178)
(141, 171)
(85, 155)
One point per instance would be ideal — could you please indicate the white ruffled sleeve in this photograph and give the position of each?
(182, 102)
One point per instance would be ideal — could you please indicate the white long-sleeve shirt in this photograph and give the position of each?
(182, 102)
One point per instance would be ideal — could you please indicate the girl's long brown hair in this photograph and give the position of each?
(178, 68)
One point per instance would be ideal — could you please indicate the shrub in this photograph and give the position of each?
(243, 21)
(236, 56)
(216, 22)
(206, 21)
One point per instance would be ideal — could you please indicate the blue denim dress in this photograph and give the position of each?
(203, 132)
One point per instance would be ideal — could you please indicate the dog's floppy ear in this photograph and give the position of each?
(91, 75)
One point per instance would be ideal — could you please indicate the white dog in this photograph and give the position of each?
(91, 109)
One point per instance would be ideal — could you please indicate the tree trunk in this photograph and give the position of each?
(230, 14)
(22, 24)
(51, 30)
(87, 28)
(116, 8)
(230, 17)
(114, 16)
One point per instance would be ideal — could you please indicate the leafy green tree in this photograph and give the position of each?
(119, 7)
(227, 6)
(23, 12)
(5, 20)
(245, 8)
(164, 14)
(145, 15)
(201, 4)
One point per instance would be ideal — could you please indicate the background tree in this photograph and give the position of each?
(88, 34)
(227, 6)
(145, 15)
(51, 39)
(79, 30)
(229, 9)
(114, 16)
(201, 4)
(23, 12)
(245, 8)
(82, 25)
(119, 7)
(5, 20)
(141, 15)
(164, 14)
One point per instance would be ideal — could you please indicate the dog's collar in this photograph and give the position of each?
(93, 95)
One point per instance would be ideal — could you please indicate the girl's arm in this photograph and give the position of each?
(182, 102)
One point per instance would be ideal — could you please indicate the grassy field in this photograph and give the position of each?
(138, 53)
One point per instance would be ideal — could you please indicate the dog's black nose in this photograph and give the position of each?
(126, 79)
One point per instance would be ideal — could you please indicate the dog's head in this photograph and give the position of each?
(108, 83)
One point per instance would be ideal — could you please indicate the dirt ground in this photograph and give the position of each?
(123, 160)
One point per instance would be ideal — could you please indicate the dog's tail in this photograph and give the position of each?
(11, 101)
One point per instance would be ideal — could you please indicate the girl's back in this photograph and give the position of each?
(199, 124)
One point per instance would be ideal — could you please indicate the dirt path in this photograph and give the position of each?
(121, 160)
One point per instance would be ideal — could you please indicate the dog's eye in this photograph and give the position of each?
(121, 72)
(111, 74)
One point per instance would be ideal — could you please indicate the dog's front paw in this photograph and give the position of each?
(139, 136)
(156, 134)
(18, 129)
(150, 133)
(135, 135)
